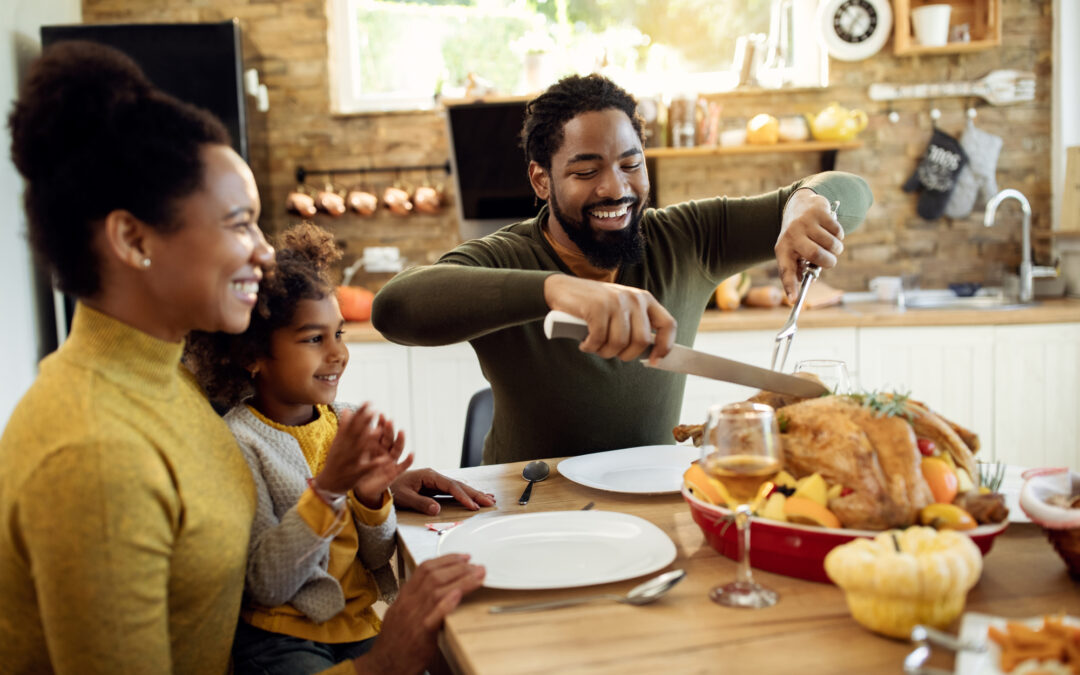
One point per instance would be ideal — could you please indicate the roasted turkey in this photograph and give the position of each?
(866, 443)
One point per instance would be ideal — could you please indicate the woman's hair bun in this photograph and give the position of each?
(69, 100)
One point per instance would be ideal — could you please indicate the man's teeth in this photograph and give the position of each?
(251, 287)
(610, 214)
(328, 378)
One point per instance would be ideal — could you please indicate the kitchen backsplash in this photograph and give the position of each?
(287, 42)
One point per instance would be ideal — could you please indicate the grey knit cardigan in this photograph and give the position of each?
(277, 570)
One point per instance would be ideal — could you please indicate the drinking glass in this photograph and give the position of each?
(833, 373)
(742, 450)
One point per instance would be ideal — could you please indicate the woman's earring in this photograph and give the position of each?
(146, 263)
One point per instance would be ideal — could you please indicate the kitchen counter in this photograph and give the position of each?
(863, 314)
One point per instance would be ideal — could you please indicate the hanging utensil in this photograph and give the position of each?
(999, 87)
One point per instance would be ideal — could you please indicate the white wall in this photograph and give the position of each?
(1065, 125)
(19, 42)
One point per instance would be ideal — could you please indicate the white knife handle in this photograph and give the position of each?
(558, 324)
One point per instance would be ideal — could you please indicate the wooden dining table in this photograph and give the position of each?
(809, 631)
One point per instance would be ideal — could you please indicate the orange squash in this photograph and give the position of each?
(355, 302)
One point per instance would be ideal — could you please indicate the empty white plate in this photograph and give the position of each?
(560, 549)
(649, 469)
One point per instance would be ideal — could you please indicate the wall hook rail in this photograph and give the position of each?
(303, 172)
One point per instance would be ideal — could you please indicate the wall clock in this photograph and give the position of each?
(854, 29)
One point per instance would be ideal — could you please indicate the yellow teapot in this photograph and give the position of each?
(836, 123)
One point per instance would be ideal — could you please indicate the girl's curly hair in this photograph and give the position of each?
(221, 362)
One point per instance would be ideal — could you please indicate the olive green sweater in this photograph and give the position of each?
(550, 398)
(125, 511)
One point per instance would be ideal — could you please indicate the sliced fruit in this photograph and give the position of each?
(941, 478)
(963, 481)
(774, 507)
(808, 512)
(813, 487)
(927, 447)
(833, 492)
(784, 479)
(946, 517)
(705, 488)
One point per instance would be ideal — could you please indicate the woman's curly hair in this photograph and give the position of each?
(548, 113)
(92, 135)
(221, 362)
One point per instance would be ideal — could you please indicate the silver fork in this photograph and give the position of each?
(809, 272)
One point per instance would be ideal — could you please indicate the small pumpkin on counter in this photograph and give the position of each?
(903, 578)
(355, 302)
(731, 291)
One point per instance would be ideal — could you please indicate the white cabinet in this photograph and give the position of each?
(378, 372)
(443, 380)
(755, 348)
(949, 368)
(1037, 400)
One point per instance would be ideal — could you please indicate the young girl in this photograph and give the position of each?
(320, 546)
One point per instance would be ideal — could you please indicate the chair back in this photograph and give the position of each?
(477, 425)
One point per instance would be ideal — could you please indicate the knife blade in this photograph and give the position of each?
(692, 362)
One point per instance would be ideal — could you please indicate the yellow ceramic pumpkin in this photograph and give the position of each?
(926, 581)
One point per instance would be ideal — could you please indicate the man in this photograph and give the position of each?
(597, 252)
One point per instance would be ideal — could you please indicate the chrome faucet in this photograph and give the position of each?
(1028, 272)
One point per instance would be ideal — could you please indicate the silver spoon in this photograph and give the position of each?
(533, 471)
(642, 594)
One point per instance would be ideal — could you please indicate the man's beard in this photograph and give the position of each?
(605, 249)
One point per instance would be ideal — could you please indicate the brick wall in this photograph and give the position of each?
(286, 41)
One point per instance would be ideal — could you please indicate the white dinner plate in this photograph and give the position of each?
(560, 549)
(650, 469)
(973, 627)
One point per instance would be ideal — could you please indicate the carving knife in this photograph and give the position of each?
(692, 362)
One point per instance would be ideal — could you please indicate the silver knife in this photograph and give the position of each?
(692, 362)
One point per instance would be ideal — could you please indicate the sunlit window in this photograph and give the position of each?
(403, 54)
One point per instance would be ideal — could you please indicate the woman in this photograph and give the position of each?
(126, 506)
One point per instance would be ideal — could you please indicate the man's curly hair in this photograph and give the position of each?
(221, 362)
(547, 114)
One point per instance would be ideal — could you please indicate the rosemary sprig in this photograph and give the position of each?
(886, 404)
(991, 475)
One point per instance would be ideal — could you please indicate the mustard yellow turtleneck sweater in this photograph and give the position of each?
(125, 511)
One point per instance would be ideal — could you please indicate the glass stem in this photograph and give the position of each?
(742, 524)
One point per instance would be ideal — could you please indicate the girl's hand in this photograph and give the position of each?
(371, 485)
(356, 451)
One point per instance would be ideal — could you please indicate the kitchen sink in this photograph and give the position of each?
(974, 302)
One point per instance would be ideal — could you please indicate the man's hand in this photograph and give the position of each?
(621, 319)
(407, 642)
(808, 232)
(407, 487)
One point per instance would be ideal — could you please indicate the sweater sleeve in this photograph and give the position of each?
(376, 529)
(735, 233)
(102, 578)
(470, 292)
(284, 553)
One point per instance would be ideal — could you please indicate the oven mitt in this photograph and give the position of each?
(936, 174)
(977, 181)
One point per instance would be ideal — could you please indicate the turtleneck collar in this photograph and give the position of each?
(125, 355)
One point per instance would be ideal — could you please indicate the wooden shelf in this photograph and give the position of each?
(983, 18)
(748, 149)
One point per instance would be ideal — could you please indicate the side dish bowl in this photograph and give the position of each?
(794, 550)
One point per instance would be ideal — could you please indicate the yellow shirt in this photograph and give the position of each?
(358, 621)
(126, 509)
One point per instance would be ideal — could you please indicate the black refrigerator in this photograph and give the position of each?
(200, 63)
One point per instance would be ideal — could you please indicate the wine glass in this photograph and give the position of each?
(833, 373)
(742, 450)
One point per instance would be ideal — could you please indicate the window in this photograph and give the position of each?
(402, 54)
